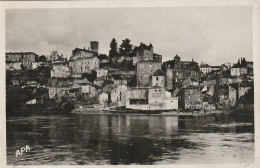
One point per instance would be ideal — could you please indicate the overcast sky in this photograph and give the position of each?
(214, 35)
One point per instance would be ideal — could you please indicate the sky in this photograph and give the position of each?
(214, 35)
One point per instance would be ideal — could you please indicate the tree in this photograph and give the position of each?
(126, 47)
(113, 49)
(54, 55)
(42, 58)
(90, 76)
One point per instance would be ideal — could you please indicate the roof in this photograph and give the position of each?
(205, 66)
(20, 53)
(79, 49)
(158, 72)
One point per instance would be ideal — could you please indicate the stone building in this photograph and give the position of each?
(89, 90)
(18, 60)
(232, 95)
(190, 98)
(238, 71)
(118, 96)
(205, 69)
(101, 72)
(59, 91)
(150, 98)
(13, 65)
(60, 71)
(177, 70)
(83, 61)
(156, 96)
(104, 99)
(145, 52)
(137, 98)
(94, 46)
(145, 69)
(157, 79)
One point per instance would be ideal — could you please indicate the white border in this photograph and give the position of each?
(135, 3)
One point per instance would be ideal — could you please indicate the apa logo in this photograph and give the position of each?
(23, 149)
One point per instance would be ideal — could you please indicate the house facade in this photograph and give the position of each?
(60, 71)
(145, 69)
(118, 95)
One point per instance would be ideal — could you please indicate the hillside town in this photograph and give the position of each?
(129, 78)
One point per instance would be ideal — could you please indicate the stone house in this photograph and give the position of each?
(145, 69)
(205, 69)
(13, 65)
(104, 99)
(177, 70)
(156, 96)
(190, 98)
(157, 79)
(59, 91)
(60, 71)
(222, 96)
(137, 98)
(83, 61)
(101, 72)
(122, 81)
(89, 90)
(118, 95)
(83, 65)
(232, 95)
(17, 60)
(190, 81)
(238, 70)
(150, 98)
(99, 81)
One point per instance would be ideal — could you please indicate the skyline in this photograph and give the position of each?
(213, 35)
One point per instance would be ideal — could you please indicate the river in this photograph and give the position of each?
(101, 139)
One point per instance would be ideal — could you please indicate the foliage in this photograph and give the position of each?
(42, 58)
(90, 76)
(125, 48)
(241, 63)
(248, 98)
(14, 99)
(113, 52)
(66, 105)
(124, 65)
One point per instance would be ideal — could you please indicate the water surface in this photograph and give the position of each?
(83, 139)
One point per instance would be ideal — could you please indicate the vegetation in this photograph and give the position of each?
(124, 65)
(126, 48)
(113, 52)
(90, 76)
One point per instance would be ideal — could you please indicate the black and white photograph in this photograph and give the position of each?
(144, 85)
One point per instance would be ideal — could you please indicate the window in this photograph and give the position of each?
(156, 84)
(157, 78)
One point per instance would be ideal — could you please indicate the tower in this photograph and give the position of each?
(94, 46)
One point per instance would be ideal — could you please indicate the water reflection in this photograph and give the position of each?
(127, 139)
